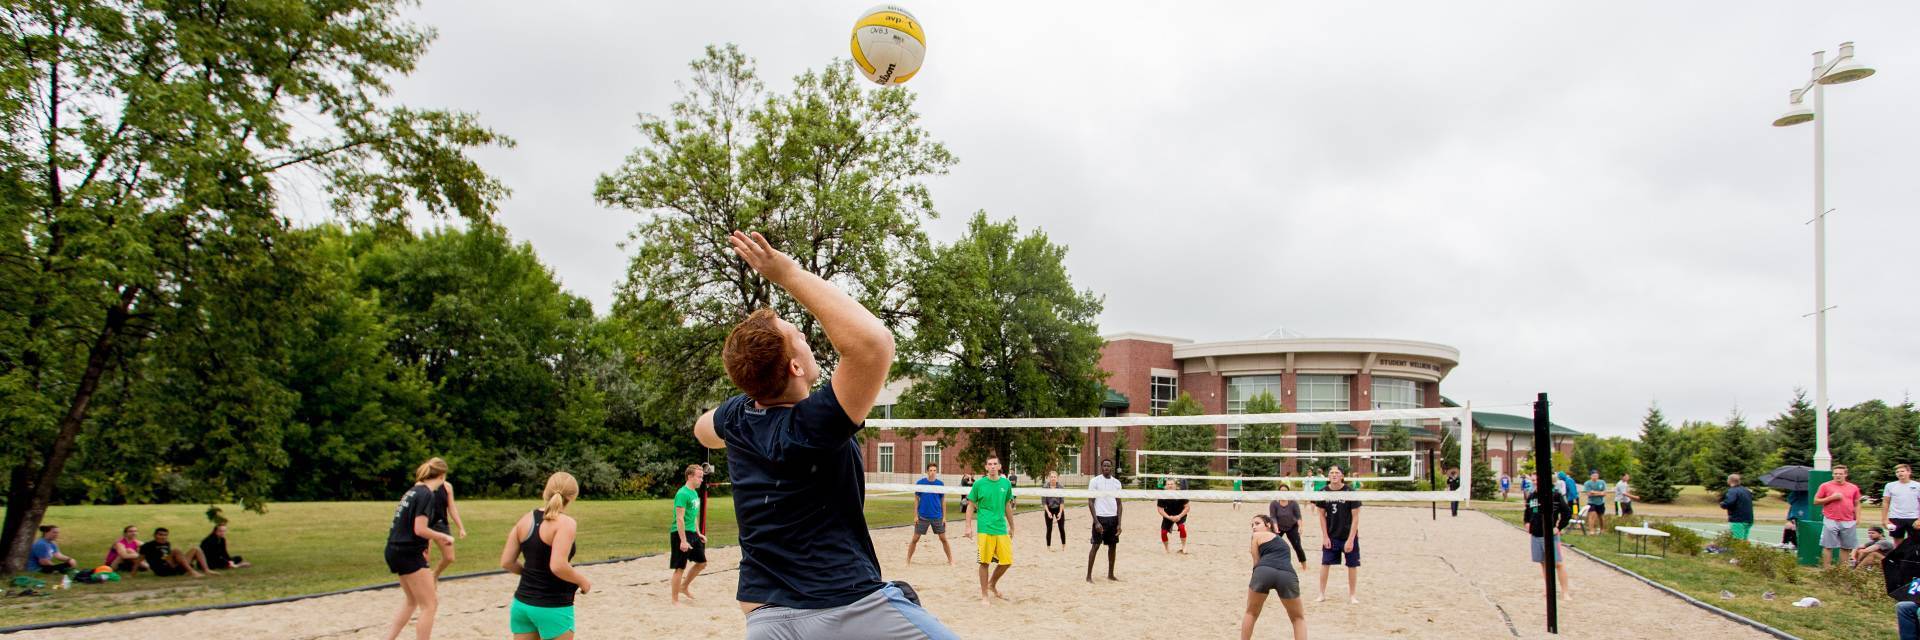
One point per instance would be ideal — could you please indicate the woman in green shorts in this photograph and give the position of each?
(543, 603)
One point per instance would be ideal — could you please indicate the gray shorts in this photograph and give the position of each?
(889, 613)
(1540, 550)
(1282, 581)
(1838, 534)
(921, 525)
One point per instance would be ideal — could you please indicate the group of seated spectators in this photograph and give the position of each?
(129, 556)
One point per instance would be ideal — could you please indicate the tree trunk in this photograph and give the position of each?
(24, 519)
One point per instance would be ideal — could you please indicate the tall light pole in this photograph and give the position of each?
(1843, 69)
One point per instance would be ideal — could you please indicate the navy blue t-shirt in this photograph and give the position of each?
(799, 496)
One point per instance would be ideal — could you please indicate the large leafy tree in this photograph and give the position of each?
(1263, 438)
(1185, 437)
(145, 144)
(1655, 482)
(831, 172)
(1000, 332)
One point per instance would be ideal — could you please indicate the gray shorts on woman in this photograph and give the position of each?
(1282, 581)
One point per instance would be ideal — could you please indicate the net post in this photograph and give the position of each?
(1543, 465)
(1431, 480)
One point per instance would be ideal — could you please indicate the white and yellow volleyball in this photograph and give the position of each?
(888, 45)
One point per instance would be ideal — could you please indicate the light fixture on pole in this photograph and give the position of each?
(1843, 69)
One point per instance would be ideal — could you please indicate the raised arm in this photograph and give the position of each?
(863, 342)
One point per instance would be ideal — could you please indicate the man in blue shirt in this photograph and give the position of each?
(807, 564)
(1738, 502)
(932, 514)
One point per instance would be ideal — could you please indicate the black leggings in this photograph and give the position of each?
(1062, 526)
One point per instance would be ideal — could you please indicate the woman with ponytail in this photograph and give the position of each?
(443, 510)
(407, 549)
(543, 603)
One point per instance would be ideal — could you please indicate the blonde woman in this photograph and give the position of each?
(543, 603)
(407, 542)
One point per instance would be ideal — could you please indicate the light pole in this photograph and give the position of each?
(1843, 69)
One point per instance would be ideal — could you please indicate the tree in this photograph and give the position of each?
(1395, 440)
(1327, 440)
(1484, 487)
(1794, 431)
(1002, 333)
(1900, 443)
(1735, 452)
(1263, 438)
(1655, 482)
(1692, 448)
(1197, 437)
(832, 173)
(139, 180)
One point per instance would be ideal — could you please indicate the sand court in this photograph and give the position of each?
(1465, 577)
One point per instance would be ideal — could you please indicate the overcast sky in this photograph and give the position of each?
(1585, 200)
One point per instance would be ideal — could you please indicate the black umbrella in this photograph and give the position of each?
(1792, 477)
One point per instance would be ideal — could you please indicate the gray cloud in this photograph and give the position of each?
(1586, 200)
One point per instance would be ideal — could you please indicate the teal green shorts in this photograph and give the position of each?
(1740, 529)
(549, 622)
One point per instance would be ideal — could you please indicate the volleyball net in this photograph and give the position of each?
(1444, 422)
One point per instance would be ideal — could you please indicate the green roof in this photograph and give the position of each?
(1115, 399)
(1309, 430)
(1504, 423)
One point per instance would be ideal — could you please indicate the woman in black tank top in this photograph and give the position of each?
(543, 603)
(1272, 571)
(445, 517)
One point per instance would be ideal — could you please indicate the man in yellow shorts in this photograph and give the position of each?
(992, 499)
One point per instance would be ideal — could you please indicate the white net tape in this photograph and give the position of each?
(1138, 456)
(1462, 416)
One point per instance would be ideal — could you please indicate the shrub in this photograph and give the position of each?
(1684, 541)
(1760, 560)
(1864, 582)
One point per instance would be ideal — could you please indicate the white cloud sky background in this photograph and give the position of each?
(1585, 200)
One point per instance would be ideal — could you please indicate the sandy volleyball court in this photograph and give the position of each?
(1455, 578)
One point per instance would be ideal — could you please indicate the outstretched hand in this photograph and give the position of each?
(761, 255)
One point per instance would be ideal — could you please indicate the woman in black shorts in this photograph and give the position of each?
(446, 516)
(1272, 571)
(407, 543)
(1285, 515)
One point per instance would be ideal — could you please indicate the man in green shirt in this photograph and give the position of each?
(1596, 490)
(686, 543)
(992, 498)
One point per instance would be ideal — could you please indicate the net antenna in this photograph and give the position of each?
(1456, 422)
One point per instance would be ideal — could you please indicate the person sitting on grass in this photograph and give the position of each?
(124, 555)
(46, 556)
(1878, 546)
(164, 560)
(214, 548)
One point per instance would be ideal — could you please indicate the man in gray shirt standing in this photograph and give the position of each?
(1623, 495)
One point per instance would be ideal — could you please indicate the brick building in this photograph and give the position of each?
(1147, 372)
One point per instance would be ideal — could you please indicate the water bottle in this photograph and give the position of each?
(66, 581)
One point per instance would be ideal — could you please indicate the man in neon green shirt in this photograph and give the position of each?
(685, 542)
(992, 498)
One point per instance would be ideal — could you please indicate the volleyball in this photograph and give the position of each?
(888, 45)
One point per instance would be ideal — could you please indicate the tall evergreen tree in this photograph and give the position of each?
(1655, 482)
(1735, 452)
(1199, 437)
(1328, 441)
(1900, 443)
(1262, 438)
(1794, 431)
(1484, 487)
(1395, 440)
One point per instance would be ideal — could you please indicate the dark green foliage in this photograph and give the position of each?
(1766, 562)
(1793, 431)
(1395, 440)
(1655, 482)
(1263, 438)
(1682, 540)
(1002, 333)
(1181, 438)
(1735, 452)
(1484, 486)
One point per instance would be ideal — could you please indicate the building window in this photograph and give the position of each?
(929, 455)
(1072, 455)
(1241, 389)
(886, 457)
(1394, 393)
(1321, 393)
(1164, 390)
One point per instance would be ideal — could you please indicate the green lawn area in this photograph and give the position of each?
(1840, 616)
(301, 548)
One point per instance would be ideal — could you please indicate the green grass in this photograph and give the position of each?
(1840, 616)
(313, 547)
(1694, 501)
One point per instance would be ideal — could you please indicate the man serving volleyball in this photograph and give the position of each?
(807, 564)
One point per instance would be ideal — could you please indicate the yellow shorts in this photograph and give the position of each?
(995, 548)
